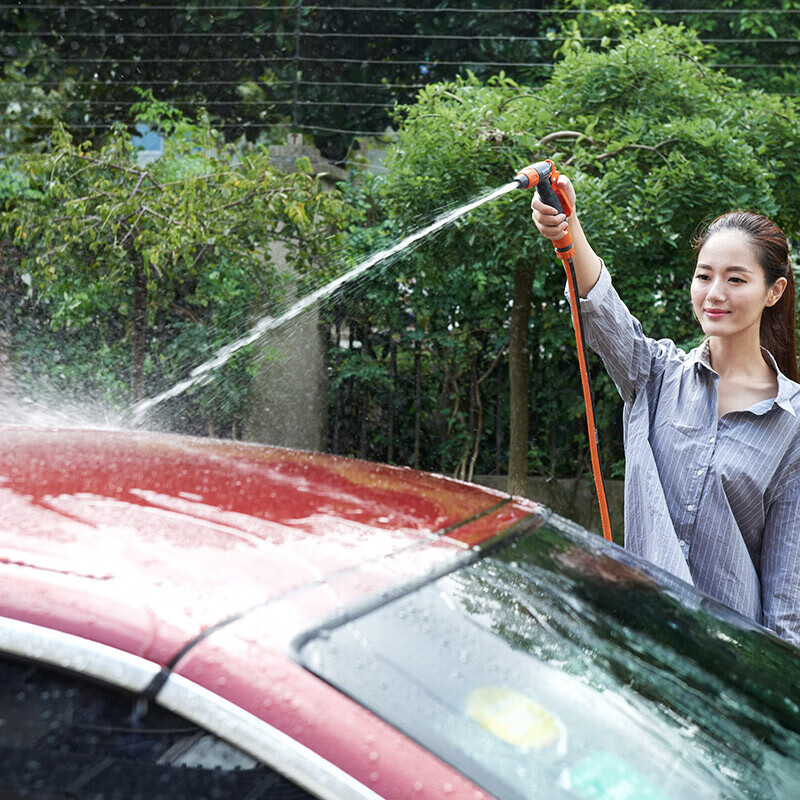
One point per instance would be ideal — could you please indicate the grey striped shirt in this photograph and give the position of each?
(714, 502)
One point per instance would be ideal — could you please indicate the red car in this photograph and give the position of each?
(194, 618)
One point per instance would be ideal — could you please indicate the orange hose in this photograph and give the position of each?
(546, 179)
(594, 444)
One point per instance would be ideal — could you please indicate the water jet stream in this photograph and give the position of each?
(202, 373)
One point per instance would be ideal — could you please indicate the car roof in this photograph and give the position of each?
(143, 541)
(210, 558)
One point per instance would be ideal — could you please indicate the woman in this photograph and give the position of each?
(712, 437)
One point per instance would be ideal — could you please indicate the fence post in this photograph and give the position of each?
(296, 81)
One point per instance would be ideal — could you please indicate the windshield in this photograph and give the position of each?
(550, 670)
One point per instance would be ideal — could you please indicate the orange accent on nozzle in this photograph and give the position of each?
(535, 174)
(528, 177)
(564, 247)
(554, 176)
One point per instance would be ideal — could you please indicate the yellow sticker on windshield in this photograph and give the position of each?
(512, 717)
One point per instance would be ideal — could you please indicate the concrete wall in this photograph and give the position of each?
(572, 498)
(290, 391)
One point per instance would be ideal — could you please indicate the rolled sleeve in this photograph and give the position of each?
(780, 563)
(630, 357)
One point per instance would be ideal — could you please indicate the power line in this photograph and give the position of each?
(203, 103)
(279, 34)
(272, 59)
(404, 9)
(422, 61)
(242, 125)
(377, 35)
(137, 60)
(128, 40)
(243, 82)
(556, 11)
(179, 84)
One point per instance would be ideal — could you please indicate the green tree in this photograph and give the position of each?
(326, 67)
(655, 142)
(104, 237)
(756, 43)
(332, 67)
(204, 54)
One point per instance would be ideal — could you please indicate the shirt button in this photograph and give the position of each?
(682, 543)
(690, 507)
(699, 472)
(712, 439)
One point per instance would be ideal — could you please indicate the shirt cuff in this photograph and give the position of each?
(598, 292)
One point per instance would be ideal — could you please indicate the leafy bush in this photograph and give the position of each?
(655, 142)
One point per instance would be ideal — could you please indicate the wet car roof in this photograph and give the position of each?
(217, 562)
(173, 535)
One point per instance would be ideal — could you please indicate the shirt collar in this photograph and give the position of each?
(787, 389)
(699, 357)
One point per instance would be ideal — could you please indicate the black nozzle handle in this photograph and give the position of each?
(545, 188)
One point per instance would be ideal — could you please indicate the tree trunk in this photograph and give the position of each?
(442, 410)
(362, 444)
(393, 383)
(417, 399)
(351, 406)
(337, 402)
(478, 424)
(138, 329)
(519, 380)
(7, 264)
(471, 399)
(498, 423)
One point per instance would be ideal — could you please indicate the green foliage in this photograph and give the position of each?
(757, 43)
(32, 104)
(76, 372)
(655, 142)
(208, 227)
(215, 55)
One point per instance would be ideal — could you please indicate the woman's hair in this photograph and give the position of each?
(772, 252)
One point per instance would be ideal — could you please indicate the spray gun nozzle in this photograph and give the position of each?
(544, 175)
(528, 177)
(533, 174)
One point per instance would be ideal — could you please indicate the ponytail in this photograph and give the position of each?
(778, 330)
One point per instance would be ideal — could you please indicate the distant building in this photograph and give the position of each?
(148, 143)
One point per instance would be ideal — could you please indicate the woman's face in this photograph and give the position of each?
(729, 288)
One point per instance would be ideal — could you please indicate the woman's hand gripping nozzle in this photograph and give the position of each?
(543, 175)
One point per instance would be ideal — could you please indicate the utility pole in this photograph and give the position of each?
(296, 82)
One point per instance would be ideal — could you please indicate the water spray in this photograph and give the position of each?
(544, 176)
(205, 372)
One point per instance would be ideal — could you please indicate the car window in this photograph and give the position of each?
(551, 670)
(62, 736)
